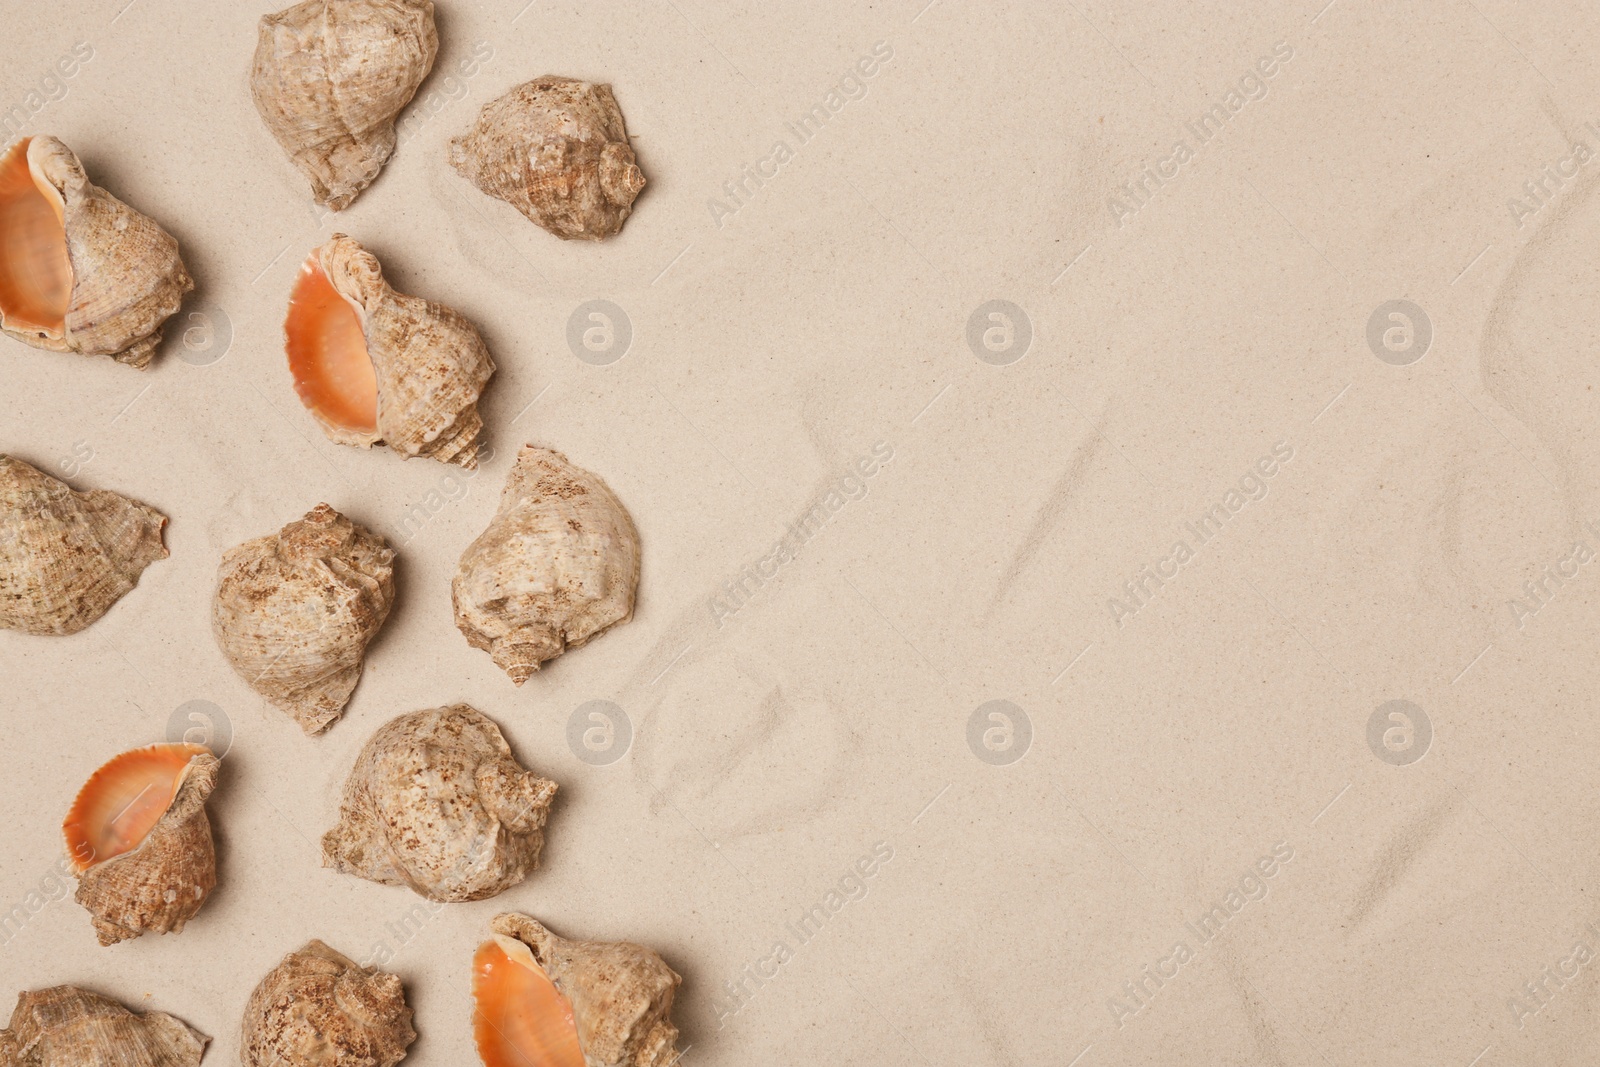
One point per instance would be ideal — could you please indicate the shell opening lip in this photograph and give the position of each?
(123, 801)
(327, 349)
(521, 1018)
(35, 269)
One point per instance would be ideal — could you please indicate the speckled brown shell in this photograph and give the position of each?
(294, 612)
(556, 149)
(558, 564)
(166, 880)
(329, 79)
(65, 1026)
(621, 993)
(127, 276)
(430, 361)
(66, 556)
(319, 1008)
(437, 803)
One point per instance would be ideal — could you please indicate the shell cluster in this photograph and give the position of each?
(294, 612)
(558, 564)
(436, 801)
(80, 271)
(66, 556)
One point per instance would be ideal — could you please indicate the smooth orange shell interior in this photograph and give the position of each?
(522, 1019)
(35, 271)
(123, 801)
(328, 353)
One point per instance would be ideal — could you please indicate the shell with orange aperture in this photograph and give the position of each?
(375, 366)
(140, 842)
(542, 999)
(80, 271)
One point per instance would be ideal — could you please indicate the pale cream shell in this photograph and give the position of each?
(65, 1026)
(557, 150)
(319, 1008)
(558, 564)
(329, 79)
(430, 361)
(294, 612)
(127, 276)
(164, 882)
(66, 556)
(437, 803)
(621, 993)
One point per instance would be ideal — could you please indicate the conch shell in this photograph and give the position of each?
(294, 612)
(319, 1008)
(329, 78)
(80, 271)
(376, 366)
(65, 1026)
(556, 149)
(558, 564)
(65, 556)
(140, 841)
(541, 999)
(437, 803)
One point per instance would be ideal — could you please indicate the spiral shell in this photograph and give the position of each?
(543, 999)
(319, 1008)
(140, 841)
(294, 612)
(376, 366)
(80, 271)
(65, 1026)
(329, 79)
(557, 150)
(437, 803)
(558, 564)
(66, 556)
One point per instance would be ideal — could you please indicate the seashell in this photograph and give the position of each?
(436, 802)
(294, 612)
(140, 841)
(65, 1026)
(80, 271)
(556, 149)
(319, 1008)
(376, 366)
(540, 999)
(329, 79)
(66, 556)
(558, 564)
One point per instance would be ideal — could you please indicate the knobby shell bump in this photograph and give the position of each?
(329, 79)
(319, 1008)
(294, 612)
(80, 271)
(557, 150)
(539, 998)
(558, 564)
(378, 367)
(66, 556)
(140, 842)
(65, 1026)
(437, 803)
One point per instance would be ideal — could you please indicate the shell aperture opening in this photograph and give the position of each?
(123, 801)
(521, 1018)
(35, 270)
(327, 351)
